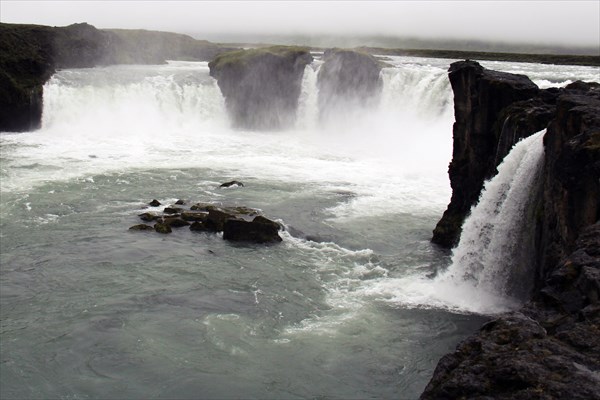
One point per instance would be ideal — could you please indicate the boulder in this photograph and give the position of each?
(162, 227)
(259, 230)
(194, 215)
(175, 222)
(514, 357)
(147, 216)
(141, 227)
(173, 210)
(202, 207)
(348, 78)
(217, 218)
(231, 183)
(261, 86)
(199, 226)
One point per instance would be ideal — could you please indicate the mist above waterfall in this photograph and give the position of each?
(558, 23)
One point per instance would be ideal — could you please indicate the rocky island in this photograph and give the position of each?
(261, 86)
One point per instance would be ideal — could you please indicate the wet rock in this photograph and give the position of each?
(550, 349)
(199, 226)
(261, 86)
(203, 207)
(141, 227)
(194, 215)
(259, 230)
(175, 222)
(242, 211)
(154, 203)
(173, 210)
(231, 183)
(480, 95)
(161, 227)
(217, 218)
(147, 216)
(180, 202)
(571, 182)
(348, 78)
(513, 357)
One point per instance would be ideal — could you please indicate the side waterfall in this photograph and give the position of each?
(493, 257)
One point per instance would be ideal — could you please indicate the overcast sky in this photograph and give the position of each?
(550, 22)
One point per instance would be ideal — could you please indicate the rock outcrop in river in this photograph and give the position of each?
(348, 78)
(550, 349)
(29, 55)
(261, 86)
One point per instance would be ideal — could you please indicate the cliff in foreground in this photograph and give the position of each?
(550, 349)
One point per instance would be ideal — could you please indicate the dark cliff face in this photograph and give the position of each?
(550, 349)
(480, 96)
(29, 55)
(348, 78)
(25, 64)
(572, 179)
(261, 86)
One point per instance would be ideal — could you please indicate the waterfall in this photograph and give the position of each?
(422, 93)
(493, 256)
(175, 95)
(492, 267)
(308, 108)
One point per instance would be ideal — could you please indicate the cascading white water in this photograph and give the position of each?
(171, 97)
(494, 252)
(308, 108)
(491, 269)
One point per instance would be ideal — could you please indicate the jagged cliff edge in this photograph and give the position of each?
(549, 349)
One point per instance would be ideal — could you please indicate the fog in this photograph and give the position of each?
(566, 23)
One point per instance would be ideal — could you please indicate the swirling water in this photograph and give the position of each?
(92, 310)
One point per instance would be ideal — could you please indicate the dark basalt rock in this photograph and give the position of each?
(175, 222)
(571, 198)
(141, 227)
(259, 230)
(173, 210)
(194, 215)
(480, 96)
(149, 216)
(550, 349)
(513, 357)
(202, 207)
(217, 218)
(231, 183)
(261, 86)
(238, 223)
(199, 226)
(154, 203)
(161, 227)
(348, 78)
